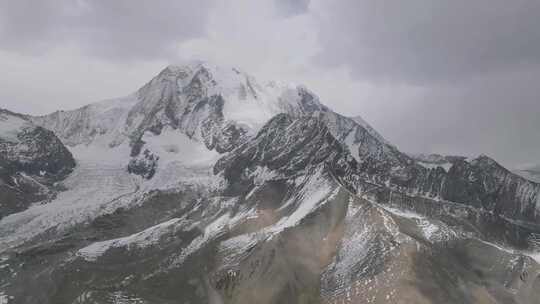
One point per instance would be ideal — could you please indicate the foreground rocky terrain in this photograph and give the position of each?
(205, 186)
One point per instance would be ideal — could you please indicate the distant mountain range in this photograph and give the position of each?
(530, 172)
(206, 186)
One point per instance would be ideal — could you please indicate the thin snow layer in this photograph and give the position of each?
(234, 249)
(218, 220)
(316, 191)
(402, 213)
(359, 243)
(140, 240)
(261, 175)
(214, 228)
(438, 231)
(535, 255)
(10, 126)
(446, 166)
(354, 246)
(432, 230)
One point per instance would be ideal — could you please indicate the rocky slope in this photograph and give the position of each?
(32, 159)
(482, 183)
(205, 186)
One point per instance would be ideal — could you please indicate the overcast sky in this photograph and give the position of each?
(454, 76)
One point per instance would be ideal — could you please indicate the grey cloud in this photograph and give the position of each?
(497, 115)
(289, 8)
(476, 62)
(121, 30)
(426, 41)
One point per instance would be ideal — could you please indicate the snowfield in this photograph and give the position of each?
(100, 184)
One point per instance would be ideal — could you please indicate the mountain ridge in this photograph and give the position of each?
(211, 104)
(205, 186)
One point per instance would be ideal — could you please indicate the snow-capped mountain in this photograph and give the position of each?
(211, 104)
(206, 186)
(217, 106)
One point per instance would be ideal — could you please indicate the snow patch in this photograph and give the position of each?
(433, 231)
(140, 240)
(350, 142)
(262, 174)
(316, 191)
(446, 166)
(211, 231)
(174, 146)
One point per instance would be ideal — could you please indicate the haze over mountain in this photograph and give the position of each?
(208, 186)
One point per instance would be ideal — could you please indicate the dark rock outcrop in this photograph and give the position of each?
(144, 164)
(32, 160)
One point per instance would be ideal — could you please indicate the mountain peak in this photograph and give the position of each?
(199, 98)
(219, 73)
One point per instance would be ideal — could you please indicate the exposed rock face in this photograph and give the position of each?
(277, 147)
(31, 148)
(481, 183)
(486, 184)
(144, 164)
(31, 160)
(378, 160)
